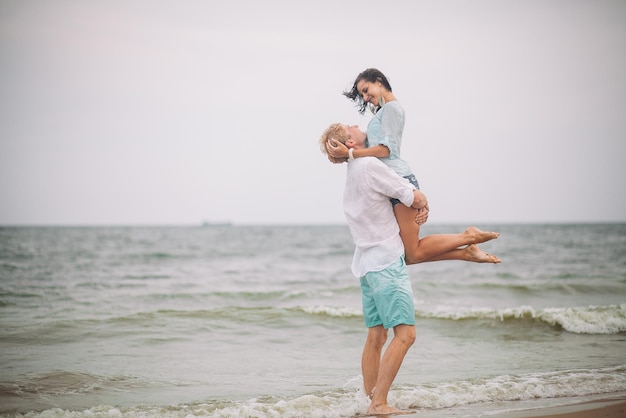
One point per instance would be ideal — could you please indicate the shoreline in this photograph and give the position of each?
(608, 408)
(608, 405)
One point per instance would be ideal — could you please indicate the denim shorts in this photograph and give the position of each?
(411, 178)
(388, 297)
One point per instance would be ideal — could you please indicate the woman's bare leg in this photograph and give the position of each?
(440, 247)
(469, 253)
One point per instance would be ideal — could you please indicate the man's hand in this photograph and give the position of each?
(419, 200)
(420, 203)
(336, 150)
(422, 215)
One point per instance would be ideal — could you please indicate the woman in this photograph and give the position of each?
(371, 89)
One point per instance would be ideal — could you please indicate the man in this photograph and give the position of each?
(379, 263)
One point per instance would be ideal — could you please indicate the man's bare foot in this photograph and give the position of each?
(387, 410)
(477, 255)
(476, 236)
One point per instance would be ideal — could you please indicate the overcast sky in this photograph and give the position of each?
(177, 112)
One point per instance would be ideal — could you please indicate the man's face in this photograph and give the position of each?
(357, 137)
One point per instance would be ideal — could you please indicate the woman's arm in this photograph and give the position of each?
(378, 151)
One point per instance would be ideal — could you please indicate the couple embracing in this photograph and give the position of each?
(384, 209)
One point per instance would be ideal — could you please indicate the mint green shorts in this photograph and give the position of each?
(388, 297)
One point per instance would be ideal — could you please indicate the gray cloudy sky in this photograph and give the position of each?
(175, 112)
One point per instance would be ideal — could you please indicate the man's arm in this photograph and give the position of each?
(388, 182)
(419, 200)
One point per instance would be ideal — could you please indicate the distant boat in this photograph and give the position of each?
(214, 224)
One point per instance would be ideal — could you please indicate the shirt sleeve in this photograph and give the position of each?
(385, 181)
(391, 128)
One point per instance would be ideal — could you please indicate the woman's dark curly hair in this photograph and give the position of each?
(372, 75)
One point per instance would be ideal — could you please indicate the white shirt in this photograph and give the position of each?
(375, 232)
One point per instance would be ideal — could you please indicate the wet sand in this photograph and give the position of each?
(614, 408)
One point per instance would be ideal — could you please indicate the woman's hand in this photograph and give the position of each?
(337, 150)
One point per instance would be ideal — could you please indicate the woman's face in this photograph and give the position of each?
(370, 92)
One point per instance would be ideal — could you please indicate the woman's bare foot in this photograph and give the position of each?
(477, 255)
(387, 410)
(476, 236)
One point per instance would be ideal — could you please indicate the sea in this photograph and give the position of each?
(265, 321)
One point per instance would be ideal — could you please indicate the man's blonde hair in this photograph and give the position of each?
(335, 131)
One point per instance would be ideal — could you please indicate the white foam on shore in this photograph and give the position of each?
(350, 400)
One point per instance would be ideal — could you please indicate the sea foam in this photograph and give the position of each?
(350, 400)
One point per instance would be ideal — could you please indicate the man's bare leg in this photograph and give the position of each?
(370, 361)
(404, 336)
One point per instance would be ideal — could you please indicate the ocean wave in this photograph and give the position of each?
(350, 400)
(564, 283)
(609, 319)
(61, 382)
(592, 320)
(333, 311)
(568, 383)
